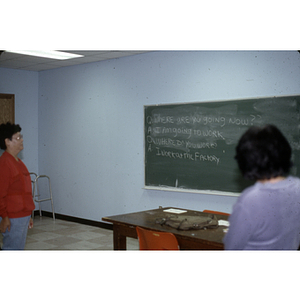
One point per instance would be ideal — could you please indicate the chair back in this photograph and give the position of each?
(216, 212)
(155, 240)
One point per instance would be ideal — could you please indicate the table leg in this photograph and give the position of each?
(119, 239)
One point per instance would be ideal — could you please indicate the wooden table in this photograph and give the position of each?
(125, 226)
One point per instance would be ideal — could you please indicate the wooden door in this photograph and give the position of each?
(7, 108)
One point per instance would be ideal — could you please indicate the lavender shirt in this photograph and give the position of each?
(266, 217)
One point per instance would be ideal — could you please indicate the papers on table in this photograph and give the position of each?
(175, 211)
(181, 211)
(223, 223)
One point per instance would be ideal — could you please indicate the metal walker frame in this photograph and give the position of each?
(35, 192)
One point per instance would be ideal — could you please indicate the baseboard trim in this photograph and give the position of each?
(75, 219)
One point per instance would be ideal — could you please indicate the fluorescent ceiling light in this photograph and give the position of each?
(47, 53)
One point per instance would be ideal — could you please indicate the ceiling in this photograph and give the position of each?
(33, 63)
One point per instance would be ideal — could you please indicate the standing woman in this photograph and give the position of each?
(267, 214)
(16, 203)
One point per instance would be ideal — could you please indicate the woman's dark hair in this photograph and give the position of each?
(263, 153)
(7, 131)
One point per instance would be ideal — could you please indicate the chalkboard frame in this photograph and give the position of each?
(200, 103)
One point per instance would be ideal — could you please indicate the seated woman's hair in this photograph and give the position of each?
(7, 131)
(263, 153)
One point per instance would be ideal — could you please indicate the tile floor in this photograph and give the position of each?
(48, 234)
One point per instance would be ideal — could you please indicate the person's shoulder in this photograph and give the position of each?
(293, 180)
(3, 157)
(4, 162)
(253, 189)
(250, 195)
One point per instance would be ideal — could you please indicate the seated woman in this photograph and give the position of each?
(267, 214)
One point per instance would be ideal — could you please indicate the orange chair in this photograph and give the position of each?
(154, 240)
(216, 212)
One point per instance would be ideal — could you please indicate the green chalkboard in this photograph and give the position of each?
(191, 146)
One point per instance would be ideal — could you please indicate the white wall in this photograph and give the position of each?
(90, 120)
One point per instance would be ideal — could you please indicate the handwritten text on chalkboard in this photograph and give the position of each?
(192, 145)
(176, 130)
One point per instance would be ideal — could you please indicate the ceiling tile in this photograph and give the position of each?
(31, 63)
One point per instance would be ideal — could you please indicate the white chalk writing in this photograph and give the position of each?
(174, 134)
(197, 156)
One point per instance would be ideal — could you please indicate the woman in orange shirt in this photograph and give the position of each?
(16, 203)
